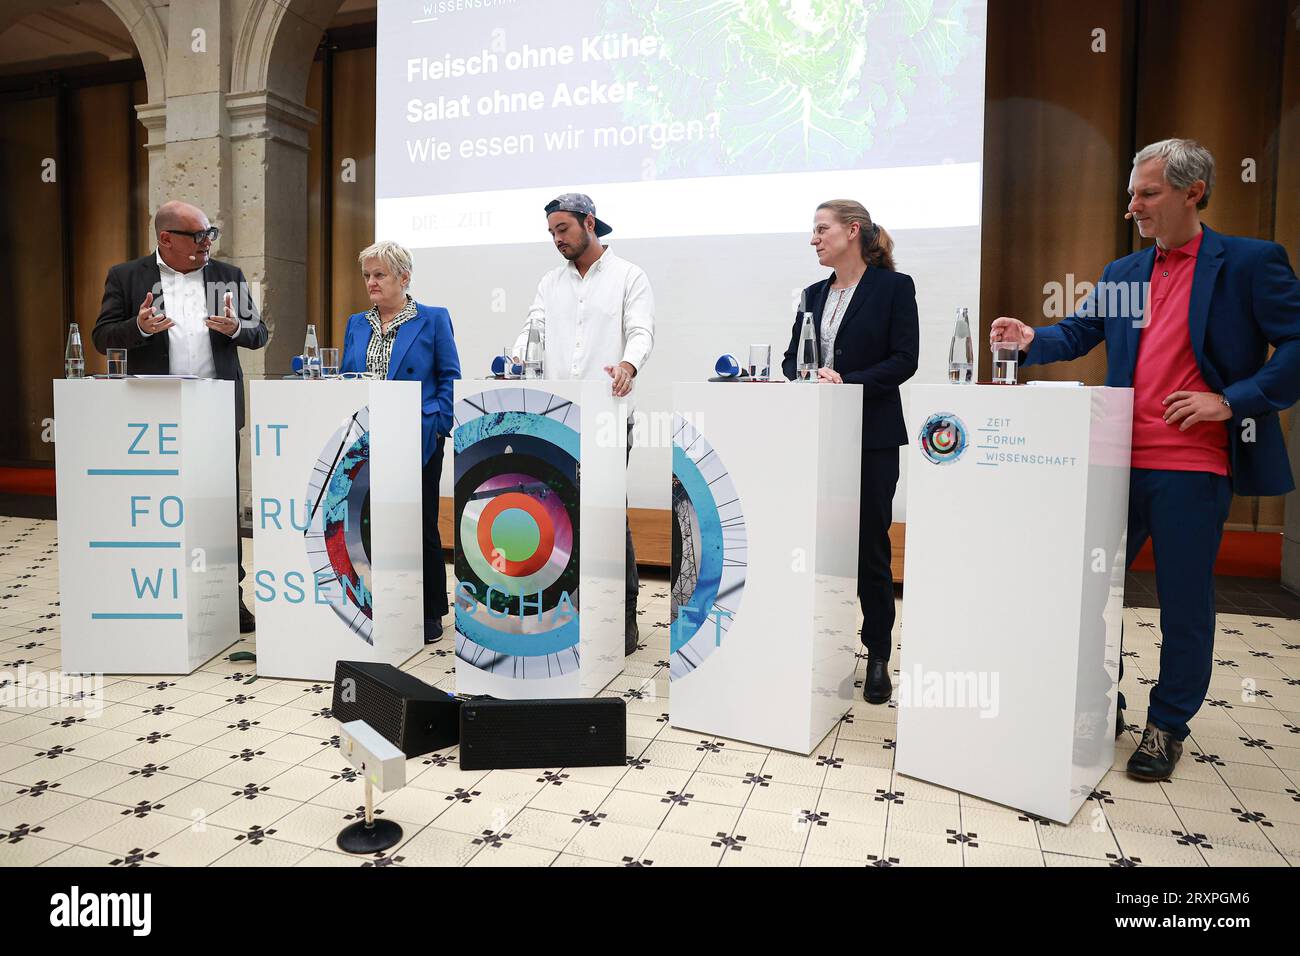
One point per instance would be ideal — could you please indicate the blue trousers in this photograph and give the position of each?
(1182, 512)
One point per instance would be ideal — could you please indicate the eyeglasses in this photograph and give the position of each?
(212, 233)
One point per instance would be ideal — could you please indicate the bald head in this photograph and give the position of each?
(175, 224)
(179, 215)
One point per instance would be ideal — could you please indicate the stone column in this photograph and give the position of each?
(268, 216)
(197, 133)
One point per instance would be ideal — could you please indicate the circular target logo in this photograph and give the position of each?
(516, 513)
(943, 438)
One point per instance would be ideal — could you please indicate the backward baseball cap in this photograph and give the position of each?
(581, 204)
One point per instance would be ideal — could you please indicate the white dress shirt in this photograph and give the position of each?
(185, 303)
(588, 322)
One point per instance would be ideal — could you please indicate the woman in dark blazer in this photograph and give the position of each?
(867, 332)
(398, 338)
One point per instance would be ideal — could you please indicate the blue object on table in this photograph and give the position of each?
(727, 366)
(499, 365)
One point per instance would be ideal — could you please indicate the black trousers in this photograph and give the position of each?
(875, 580)
(435, 566)
(239, 525)
(632, 581)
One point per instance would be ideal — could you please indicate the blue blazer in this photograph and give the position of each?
(876, 346)
(424, 351)
(1244, 298)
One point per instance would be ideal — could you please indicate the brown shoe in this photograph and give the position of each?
(1156, 756)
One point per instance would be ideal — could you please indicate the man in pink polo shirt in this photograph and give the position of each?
(1187, 326)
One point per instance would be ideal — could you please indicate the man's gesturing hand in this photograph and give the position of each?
(225, 324)
(150, 321)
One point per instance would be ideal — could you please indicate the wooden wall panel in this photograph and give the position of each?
(1213, 72)
(314, 265)
(1056, 127)
(31, 260)
(354, 202)
(144, 237)
(101, 199)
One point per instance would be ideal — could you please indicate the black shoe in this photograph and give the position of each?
(631, 637)
(247, 623)
(877, 688)
(1120, 726)
(432, 631)
(1156, 756)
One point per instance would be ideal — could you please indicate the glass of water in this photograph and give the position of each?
(1006, 356)
(329, 363)
(760, 363)
(117, 363)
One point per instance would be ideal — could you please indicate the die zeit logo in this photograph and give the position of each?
(77, 909)
(943, 438)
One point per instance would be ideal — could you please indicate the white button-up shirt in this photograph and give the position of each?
(185, 303)
(589, 322)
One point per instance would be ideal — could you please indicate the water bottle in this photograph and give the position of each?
(961, 352)
(808, 363)
(74, 359)
(310, 355)
(533, 354)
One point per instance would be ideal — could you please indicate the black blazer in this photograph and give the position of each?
(875, 346)
(124, 291)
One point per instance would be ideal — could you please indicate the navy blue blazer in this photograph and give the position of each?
(1245, 297)
(876, 346)
(424, 351)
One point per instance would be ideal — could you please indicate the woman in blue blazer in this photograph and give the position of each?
(398, 338)
(867, 332)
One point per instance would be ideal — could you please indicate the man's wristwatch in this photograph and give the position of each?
(1224, 399)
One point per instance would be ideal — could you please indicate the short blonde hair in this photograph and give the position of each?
(392, 255)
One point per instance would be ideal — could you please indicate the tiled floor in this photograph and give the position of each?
(210, 769)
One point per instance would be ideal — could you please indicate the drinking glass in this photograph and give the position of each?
(117, 363)
(1006, 356)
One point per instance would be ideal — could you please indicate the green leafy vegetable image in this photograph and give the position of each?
(787, 85)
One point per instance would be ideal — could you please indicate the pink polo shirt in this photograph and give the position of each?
(1166, 364)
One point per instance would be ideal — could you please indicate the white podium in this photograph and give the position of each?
(145, 475)
(337, 527)
(540, 507)
(765, 556)
(1017, 510)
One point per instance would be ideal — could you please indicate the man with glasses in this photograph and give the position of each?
(180, 312)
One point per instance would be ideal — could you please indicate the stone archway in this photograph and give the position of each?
(276, 42)
(141, 19)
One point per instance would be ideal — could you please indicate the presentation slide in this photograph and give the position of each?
(706, 133)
